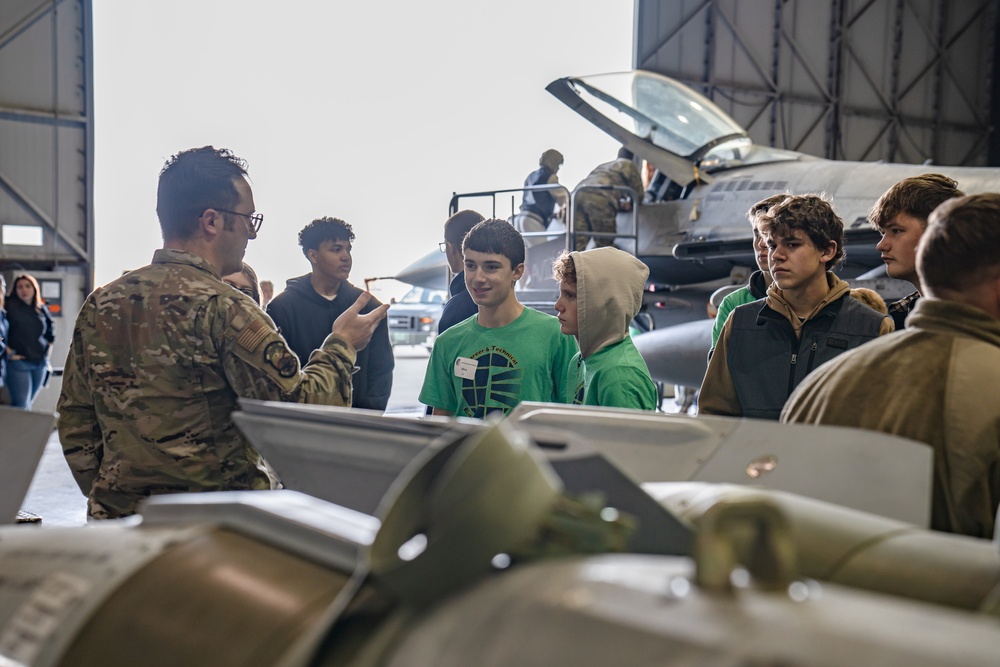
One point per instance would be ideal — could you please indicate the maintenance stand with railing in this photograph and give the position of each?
(537, 288)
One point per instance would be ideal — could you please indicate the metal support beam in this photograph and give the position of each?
(809, 130)
(40, 11)
(86, 38)
(727, 88)
(835, 57)
(775, 97)
(937, 85)
(644, 62)
(35, 211)
(993, 155)
(708, 72)
(894, 62)
(907, 64)
(741, 41)
(42, 117)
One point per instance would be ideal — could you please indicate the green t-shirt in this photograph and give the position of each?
(474, 370)
(613, 377)
(737, 298)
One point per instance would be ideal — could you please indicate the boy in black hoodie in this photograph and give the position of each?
(305, 311)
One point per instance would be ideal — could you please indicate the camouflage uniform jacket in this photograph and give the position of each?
(617, 172)
(930, 383)
(157, 362)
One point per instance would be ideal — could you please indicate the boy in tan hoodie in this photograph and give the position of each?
(807, 318)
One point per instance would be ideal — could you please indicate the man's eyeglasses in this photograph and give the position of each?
(248, 291)
(256, 219)
(443, 246)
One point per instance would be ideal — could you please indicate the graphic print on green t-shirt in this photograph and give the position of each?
(497, 379)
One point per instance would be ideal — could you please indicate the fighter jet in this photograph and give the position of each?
(691, 228)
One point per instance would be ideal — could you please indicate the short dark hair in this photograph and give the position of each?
(458, 225)
(324, 229)
(814, 216)
(961, 245)
(192, 181)
(498, 237)
(916, 196)
(564, 268)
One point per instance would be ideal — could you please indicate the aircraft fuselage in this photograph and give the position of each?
(710, 222)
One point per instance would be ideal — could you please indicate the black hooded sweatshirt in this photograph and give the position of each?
(305, 318)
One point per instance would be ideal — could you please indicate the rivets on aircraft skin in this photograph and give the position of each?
(761, 465)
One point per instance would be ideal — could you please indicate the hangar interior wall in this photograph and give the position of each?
(46, 152)
(894, 80)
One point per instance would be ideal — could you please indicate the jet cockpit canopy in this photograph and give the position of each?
(665, 122)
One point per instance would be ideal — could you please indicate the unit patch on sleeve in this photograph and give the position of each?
(278, 355)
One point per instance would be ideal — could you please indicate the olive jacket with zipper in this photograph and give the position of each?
(765, 350)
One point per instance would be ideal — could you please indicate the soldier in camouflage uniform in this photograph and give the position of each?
(160, 356)
(595, 210)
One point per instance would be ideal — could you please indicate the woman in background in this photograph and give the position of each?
(29, 341)
(245, 280)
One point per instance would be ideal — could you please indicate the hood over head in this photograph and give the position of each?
(609, 287)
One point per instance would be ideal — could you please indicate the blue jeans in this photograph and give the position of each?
(24, 380)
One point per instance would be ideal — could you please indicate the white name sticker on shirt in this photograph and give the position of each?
(466, 368)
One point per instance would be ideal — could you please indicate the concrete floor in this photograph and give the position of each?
(53, 493)
(55, 497)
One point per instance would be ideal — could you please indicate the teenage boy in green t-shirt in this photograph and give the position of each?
(507, 353)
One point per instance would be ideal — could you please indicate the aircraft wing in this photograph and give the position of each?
(741, 247)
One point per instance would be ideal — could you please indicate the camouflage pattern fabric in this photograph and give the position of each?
(157, 362)
(595, 210)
